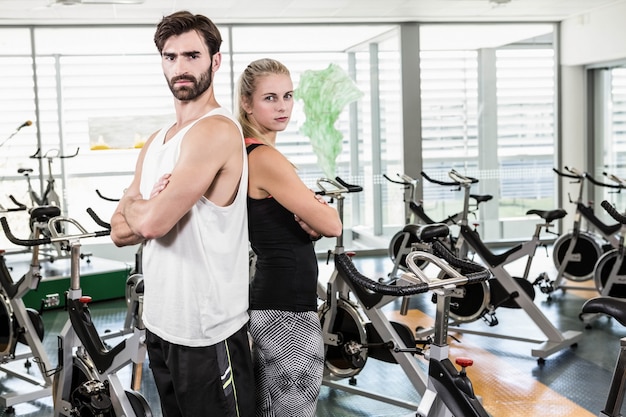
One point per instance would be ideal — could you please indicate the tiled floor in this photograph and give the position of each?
(511, 382)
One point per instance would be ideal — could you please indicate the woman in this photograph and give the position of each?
(284, 218)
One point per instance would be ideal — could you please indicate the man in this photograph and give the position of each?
(187, 205)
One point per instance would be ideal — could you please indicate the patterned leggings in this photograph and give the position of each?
(288, 355)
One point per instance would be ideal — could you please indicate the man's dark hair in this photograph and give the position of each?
(184, 21)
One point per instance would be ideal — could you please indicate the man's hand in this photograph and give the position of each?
(160, 185)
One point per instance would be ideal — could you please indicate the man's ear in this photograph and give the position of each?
(216, 61)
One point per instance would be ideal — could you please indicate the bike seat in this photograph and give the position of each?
(430, 232)
(23, 170)
(427, 232)
(44, 213)
(549, 215)
(481, 198)
(614, 307)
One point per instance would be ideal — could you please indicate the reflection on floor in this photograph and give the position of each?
(511, 382)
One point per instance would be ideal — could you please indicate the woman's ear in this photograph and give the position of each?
(245, 104)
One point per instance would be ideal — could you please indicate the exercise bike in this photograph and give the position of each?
(576, 253)
(402, 242)
(504, 290)
(350, 341)
(49, 195)
(610, 270)
(471, 203)
(48, 205)
(609, 274)
(22, 325)
(85, 382)
(616, 308)
(134, 284)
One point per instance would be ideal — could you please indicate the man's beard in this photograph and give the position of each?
(187, 93)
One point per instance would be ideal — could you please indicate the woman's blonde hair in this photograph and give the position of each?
(246, 87)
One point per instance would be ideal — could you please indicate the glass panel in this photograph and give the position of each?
(95, 41)
(488, 110)
(108, 91)
(526, 130)
(611, 132)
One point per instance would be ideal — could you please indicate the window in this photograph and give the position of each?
(610, 135)
(489, 111)
(104, 95)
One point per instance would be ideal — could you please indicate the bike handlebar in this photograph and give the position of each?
(46, 240)
(462, 179)
(346, 267)
(20, 206)
(574, 173)
(98, 220)
(21, 242)
(102, 196)
(17, 203)
(406, 180)
(458, 179)
(339, 187)
(434, 181)
(38, 155)
(602, 184)
(444, 259)
(613, 177)
(613, 212)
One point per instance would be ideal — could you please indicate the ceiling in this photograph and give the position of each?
(54, 12)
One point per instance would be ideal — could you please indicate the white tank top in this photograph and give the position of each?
(196, 276)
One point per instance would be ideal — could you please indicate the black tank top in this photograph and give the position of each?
(286, 266)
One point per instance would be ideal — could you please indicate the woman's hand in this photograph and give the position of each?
(312, 233)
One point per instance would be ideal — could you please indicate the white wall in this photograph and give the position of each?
(595, 37)
(573, 142)
(598, 36)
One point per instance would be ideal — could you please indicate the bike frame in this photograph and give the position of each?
(79, 341)
(13, 293)
(555, 339)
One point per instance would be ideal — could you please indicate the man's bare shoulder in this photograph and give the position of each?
(217, 127)
(213, 141)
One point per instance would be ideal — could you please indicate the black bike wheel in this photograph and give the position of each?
(586, 249)
(472, 305)
(603, 271)
(396, 248)
(7, 327)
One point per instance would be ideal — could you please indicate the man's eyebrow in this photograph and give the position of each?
(187, 54)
